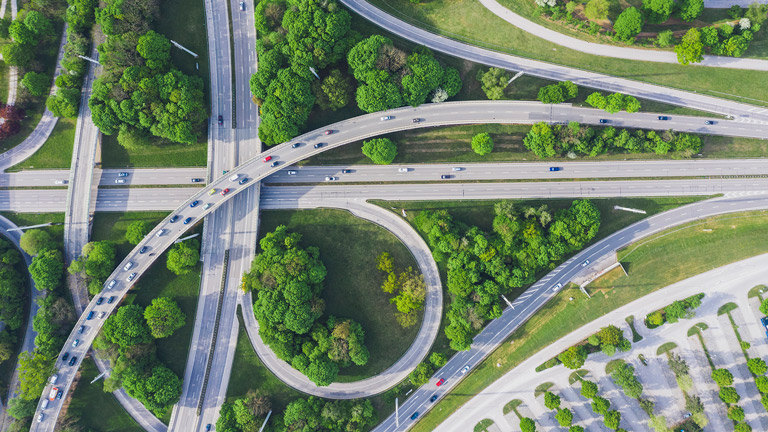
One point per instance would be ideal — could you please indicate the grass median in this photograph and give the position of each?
(653, 263)
(56, 152)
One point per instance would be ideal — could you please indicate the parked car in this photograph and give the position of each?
(555, 168)
(663, 118)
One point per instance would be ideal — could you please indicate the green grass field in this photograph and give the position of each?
(3, 82)
(458, 19)
(652, 264)
(57, 150)
(349, 247)
(26, 219)
(160, 154)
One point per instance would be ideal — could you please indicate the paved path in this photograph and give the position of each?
(727, 283)
(725, 4)
(620, 52)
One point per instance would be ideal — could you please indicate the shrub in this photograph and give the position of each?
(665, 38)
(597, 9)
(655, 319)
(438, 359)
(735, 12)
(594, 340)
(757, 366)
(722, 377)
(764, 307)
(729, 395)
(588, 389)
(624, 345)
(736, 413)
(612, 419)
(482, 144)
(551, 401)
(608, 349)
(742, 427)
(564, 417)
(573, 357)
(762, 384)
(382, 151)
(527, 425)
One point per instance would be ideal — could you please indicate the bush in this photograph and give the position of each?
(729, 395)
(597, 9)
(722, 377)
(600, 405)
(762, 384)
(421, 374)
(438, 359)
(551, 401)
(588, 389)
(763, 305)
(757, 366)
(136, 232)
(493, 82)
(628, 24)
(608, 349)
(736, 413)
(742, 427)
(612, 419)
(665, 38)
(735, 12)
(564, 417)
(624, 345)
(382, 151)
(573, 357)
(594, 340)
(527, 425)
(482, 144)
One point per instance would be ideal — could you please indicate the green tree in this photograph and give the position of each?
(527, 425)
(735, 46)
(541, 140)
(722, 377)
(133, 138)
(46, 269)
(183, 257)
(736, 413)
(574, 357)
(493, 82)
(588, 389)
(596, 100)
(665, 38)
(15, 54)
(35, 240)
(127, 327)
(158, 389)
(482, 144)
(597, 9)
(691, 9)
(600, 405)
(762, 384)
(551, 400)
(763, 305)
(551, 94)
(136, 232)
(421, 374)
(658, 11)
(610, 335)
(37, 83)
(438, 359)
(729, 395)
(612, 419)
(155, 49)
(64, 103)
(334, 91)
(576, 428)
(690, 49)
(34, 370)
(631, 104)
(381, 151)
(614, 102)
(628, 24)
(624, 376)
(742, 427)
(164, 317)
(757, 366)
(564, 417)
(19, 408)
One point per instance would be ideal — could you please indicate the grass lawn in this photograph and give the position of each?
(349, 247)
(733, 237)
(3, 82)
(57, 150)
(26, 219)
(97, 410)
(458, 20)
(248, 373)
(161, 153)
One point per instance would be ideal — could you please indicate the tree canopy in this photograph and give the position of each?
(381, 151)
(183, 257)
(127, 327)
(164, 317)
(482, 144)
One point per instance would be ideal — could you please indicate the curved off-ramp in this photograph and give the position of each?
(420, 346)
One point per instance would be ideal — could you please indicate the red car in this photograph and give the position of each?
(328, 132)
(224, 191)
(440, 382)
(268, 158)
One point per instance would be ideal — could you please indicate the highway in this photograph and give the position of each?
(553, 71)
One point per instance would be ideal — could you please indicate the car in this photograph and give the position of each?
(457, 169)
(268, 158)
(174, 218)
(446, 176)
(234, 177)
(76, 342)
(347, 171)
(557, 287)
(274, 164)
(143, 249)
(194, 203)
(433, 398)
(242, 6)
(221, 120)
(90, 315)
(585, 263)
(415, 415)
(160, 233)
(196, 180)
(243, 180)
(61, 182)
(122, 174)
(318, 145)
(416, 120)
(212, 191)
(52, 393)
(131, 276)
(292, 172)
(663, 118)
(465, 369)
(120, 181)
(709, 122)
(328, 132)
(296, 145)
(403, 169)
(53, 379)
(208, 427)
(687, 415)
(207, 206)
(112, 284)
(764, 322)
(99, 301)
(555, 168)
(224, 172)
(40, 417)
(330, 178)
(65, 356)
(440, 382)
(603, 120)
(80, 329)
(111, 300)
(73, 360)
(385, 118)
(224, 191)
(187, 220)
(128, 266)
(102, 314)
(59, 394)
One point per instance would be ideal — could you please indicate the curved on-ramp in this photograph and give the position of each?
(420, 346)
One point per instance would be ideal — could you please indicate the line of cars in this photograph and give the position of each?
(439, 383)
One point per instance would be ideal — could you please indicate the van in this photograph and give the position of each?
(44, 405)
(234, 177)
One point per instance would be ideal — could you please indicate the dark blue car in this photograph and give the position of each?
(555, 168)
(764, 322)
(415, 415)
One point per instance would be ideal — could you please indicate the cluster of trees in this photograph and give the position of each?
(493, 82)
(182, 258)
(481, 266)
(692, 402)
(482, 143)
(564, 416)
(601, 405)
(246, 414)
(11, 116)
(409, 289)
(381, 151)
(558, 93)
(673, 312)
(614, 102)
(623, 375)
(389, 77)
(607, 340)
(95, 264)
(288, 280)
(547, 141)
(80, 17)
(424, 371)
(127, 340)
(730, 397)
(758, 368)
(140, 93)
(726, 39)
(13, 290)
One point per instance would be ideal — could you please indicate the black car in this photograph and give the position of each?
(111, 300)
(243, 180)
(318, 145)
(663, 118)
(221, 120)
(433, 398)
(59, 394)
(196, 180)
(65, 357)
(99, 301)
(73, 360)
(143, 249)
(295, 145)
(446, 176)
(416, 120)
(603, 120)
(347, 171)
(709, 122)
(174, 218)
(274, 164)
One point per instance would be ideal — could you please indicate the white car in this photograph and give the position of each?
(128, 266)
(457, 169)
(292, 172)
(330, 178)
(102, 314)
(61, 182)
(131, 277)
(40, 418)
(385, 118)
(557, 287)
(465, 369)
(120, 181)
(160, 233)
(585, 263)
(112, 284)
(53, 379)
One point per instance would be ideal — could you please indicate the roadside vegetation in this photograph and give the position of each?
(673, 312)
(607, 340)
(14, 299)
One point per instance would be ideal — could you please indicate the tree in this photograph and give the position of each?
(690, 49)
(735, 11)
(37, 83)
(438, 359)
(127, 327)
(614, 102)
(763, 305)
(631, 104)
(762, 384)
(421, 374)
(735, 46)
(541, 140)
(628, 24)
(691, 9)
(665, 38)
(34, 370)
(573, 357)
(722, 377)
(588, 389)
(600, 405)
(493, 82)
(597, 9)
(551, 94)
(35, 240)
(742, 427)
(610, 335)
(624, 376)
(64, 103)
(164, 317)
(757, 366)
(334, 91)
(46, 269)
(183, 257)
(564, 417)
(658, 11)
(155, 49)
(551, 400)
(482, 144)
(381, 151)
(527, 425)
(612, 419)
(736, 413)
(157, 389)
(729, 395)
(576, 428)
(19, 408)
(136, 232)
